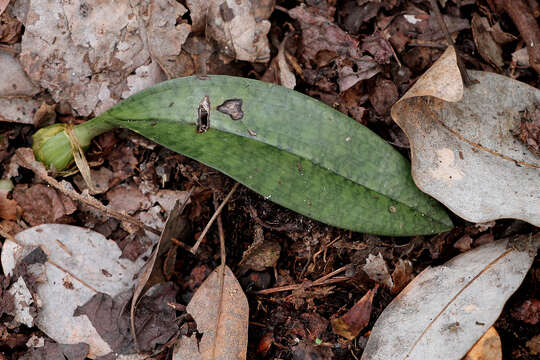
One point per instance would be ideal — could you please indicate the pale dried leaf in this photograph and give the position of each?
(85, 260)
(462, 147)
(222, 319)
(445, 310)
(145, 76)
(18, 109)
(487, 348)
(13, 79)
(83, 51)
(377, 270)
(487, 47)
(167, 198)
(238, 31)
(22, 301)
(165, 38)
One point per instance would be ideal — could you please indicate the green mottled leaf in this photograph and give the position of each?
(292, 149)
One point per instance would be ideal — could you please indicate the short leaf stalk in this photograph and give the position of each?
(53, 148)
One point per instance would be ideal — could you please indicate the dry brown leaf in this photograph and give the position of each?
(261, 254)
(239, 26)
(402, 275)
(3, 5)
(222, 318)
(377, 270)
(487, 47)
(534, 345)
(279, 72)
(321, 37)
(165, 38)
(42, 204)
(10, 28)
(173, 228)
(353, 321)
(84, 51)
(462, 147)
(487, 348)
(443, 312)
(9, 209)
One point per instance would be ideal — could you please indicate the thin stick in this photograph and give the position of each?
(324, 280)
(298, 286)
(222, 251)
(212, 219)
(464, 75)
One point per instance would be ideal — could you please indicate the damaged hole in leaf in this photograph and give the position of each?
(203, 115)
(233, 108)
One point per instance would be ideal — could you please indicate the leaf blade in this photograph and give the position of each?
(303, 138)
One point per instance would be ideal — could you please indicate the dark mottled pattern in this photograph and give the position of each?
(351, 178)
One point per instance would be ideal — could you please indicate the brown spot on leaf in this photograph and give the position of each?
(233, 108)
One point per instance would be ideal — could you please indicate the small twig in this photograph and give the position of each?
(222, 251)
(281, 8)
(180, 243)
(463, 71)
(426, 43)
(325, 280)
(298, 286)
(212, 219)
(9, 49)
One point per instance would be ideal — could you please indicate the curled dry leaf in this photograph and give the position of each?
(487, 348)
(222, 315)
(80, 263)
(463, 149)
(446, 309)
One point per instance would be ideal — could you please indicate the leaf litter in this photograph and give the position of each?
(445, 309)
(80, 263)
(458, 135)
